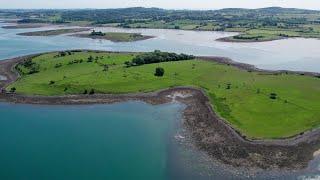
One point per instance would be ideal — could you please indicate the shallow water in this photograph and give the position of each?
(290, 54)
(131, 140)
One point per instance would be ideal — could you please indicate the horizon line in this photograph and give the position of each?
(195, 9)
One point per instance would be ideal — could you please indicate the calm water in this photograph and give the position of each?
(291, 54)
(131, 140)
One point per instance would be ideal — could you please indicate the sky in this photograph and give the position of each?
(167, 4)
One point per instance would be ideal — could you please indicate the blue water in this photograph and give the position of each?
(130, 140)
(290, 54)
(121, 141)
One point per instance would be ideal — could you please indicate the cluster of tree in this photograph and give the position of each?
(63, 53)
(247, 37)
(157, 57)
(31, 66)
(97, 33)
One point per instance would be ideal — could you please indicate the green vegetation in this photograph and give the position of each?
(54, 32)
(157, 57)
(159, 72)
(115, 36)
(254, 24)
(259, 105)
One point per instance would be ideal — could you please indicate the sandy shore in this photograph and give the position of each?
(209, 132)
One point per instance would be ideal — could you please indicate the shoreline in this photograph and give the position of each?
(111, 39)
(210, 133)
(54, 32)
(231, 39)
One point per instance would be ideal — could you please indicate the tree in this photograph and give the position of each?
(91, 91)
(62, 53)
(273, 96)
(13, 89)
(90, 59)
(159, 72)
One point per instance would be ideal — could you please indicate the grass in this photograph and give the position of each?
(117, 36)
(240, 97)
(123, 37)
(269, 34)
(54, 32)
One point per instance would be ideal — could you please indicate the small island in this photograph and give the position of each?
(115, 36)
(25, 26)
(54, 32)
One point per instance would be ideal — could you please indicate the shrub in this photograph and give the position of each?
(51, 82)
(13, 89)
(273, 96)
(91, 91)
(228, 86)
(90, 59)
(159, 72)
(62, 54)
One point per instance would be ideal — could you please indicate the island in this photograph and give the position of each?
(25, 26)
(54, 32)
(238, 114)
(253, 25)
(115, 36)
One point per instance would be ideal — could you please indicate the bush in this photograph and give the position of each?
(273, 96)
(13, 89)
(51, 82)
(62, 53)
(159, 72)
(90, 59)
(91, 91)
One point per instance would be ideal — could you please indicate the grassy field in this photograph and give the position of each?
(241, 97)
(54, 32)
(269, 34)
(254, 34)
(117, 36)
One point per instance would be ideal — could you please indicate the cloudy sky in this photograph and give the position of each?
(168, 4)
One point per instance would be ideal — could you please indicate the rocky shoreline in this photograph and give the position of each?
(210, 133)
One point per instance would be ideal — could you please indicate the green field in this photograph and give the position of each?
(121, 37)
(240, 97)
(269, 34)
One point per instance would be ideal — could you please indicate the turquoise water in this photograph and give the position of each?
(86, 142)
(131, 140)
(290, 54)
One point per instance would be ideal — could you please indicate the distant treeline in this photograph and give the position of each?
(228, 18)
(157, 57)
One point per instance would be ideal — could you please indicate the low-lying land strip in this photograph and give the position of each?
(54, 32)
(115, 36)
(25, 26)
(258, 104)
